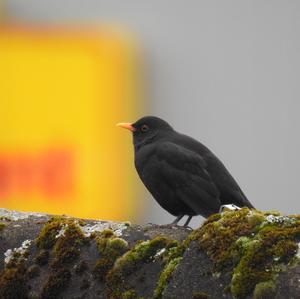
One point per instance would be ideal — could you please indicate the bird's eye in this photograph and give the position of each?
(144, 128)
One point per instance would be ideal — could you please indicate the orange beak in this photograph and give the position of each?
(127, 126)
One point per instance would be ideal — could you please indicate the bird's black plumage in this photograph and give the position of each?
(182, 174)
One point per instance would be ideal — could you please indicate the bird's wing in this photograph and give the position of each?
(185, 172)
(230, 192)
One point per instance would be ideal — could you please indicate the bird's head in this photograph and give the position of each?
(146, 129)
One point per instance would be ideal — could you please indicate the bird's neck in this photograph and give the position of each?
(138, 145)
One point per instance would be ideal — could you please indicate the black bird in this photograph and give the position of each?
(182, 174)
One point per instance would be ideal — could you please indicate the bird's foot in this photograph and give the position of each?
(177, 219)
(231, 207)
(186, 224)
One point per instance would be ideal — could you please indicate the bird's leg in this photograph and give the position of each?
(178, 218)
(188, 221)
(229, 207)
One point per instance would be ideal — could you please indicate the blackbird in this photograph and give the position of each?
(181, 173)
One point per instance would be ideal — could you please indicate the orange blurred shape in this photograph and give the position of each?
(51, 174)
(61, 92)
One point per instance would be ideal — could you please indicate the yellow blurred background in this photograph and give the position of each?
(62, 90)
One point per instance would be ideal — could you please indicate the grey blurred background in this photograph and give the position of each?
(224, 72)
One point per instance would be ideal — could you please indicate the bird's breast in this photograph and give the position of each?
(142, 156)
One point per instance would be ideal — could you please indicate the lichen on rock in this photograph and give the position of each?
(17, 255)
(15, 215)
(99, 226)
(13, 278)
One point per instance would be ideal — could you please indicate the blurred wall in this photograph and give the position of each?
(225, 72)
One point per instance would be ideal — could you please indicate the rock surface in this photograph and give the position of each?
(238, 254)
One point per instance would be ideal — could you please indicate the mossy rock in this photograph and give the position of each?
(242, 250)
(236, 254)
(147, 254)
(265, 290)
(2, 225)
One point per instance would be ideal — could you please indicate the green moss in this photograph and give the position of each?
(42, 257)
(173, 250)
(249, 244)
(165, 277)
(13, 283)
(107, 233)
(5, 218)
(33, 271)
(56, 282)
(63, 237)
(72, 236)
(217, 236)
(255, 219)
(284, 250)
(2, 226)
(200, 295)
(47, 236)
(110, 248)
(15, 260)
(101, 267)
(143, 252)
(171, 259)
(14, 277)
(82, 222)
(213, 218)
(271, 246)
(129, 294)
(274, 213)
(250, 270)
(265, 290)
